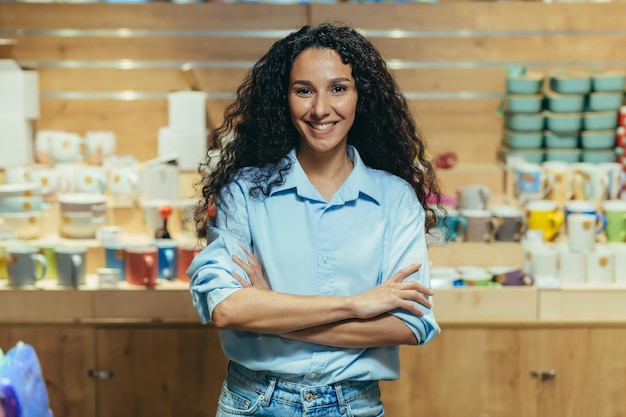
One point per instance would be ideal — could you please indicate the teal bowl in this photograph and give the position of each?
(605, 101)
(566, 83)
(598, 139)
(564, 155)
(563, 122)
(527, 84)
(524, 103)
(600, 120)
(565, 103)
(524, 122)
(599, 157)
(560, 140)
(523, 140)
(608, 81)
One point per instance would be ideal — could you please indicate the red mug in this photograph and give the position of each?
(185, 256)
(141, 265)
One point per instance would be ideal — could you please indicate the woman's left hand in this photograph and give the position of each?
(253, 269)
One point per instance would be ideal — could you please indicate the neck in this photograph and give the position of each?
(326, 171)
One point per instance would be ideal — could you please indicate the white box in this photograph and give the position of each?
(187, 110)
(16, 141)
(19, 90)
(189, 146)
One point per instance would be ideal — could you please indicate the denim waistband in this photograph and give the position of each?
(291, 392)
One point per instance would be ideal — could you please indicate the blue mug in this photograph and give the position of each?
(114, 257)
(167, 258)
(452, 223)
(586, 207)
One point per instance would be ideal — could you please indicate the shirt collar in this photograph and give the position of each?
(360, 181)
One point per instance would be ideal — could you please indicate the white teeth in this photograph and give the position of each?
(324, 126)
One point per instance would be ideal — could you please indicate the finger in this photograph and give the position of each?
(414, 285)
(405, 272)
(416, 296)
(242, 281)
(241, 263)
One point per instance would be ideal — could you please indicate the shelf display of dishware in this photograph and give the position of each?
(569, 116)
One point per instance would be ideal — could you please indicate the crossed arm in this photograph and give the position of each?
(359, 321)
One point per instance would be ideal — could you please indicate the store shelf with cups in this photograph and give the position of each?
(569, 117)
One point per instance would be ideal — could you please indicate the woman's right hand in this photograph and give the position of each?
(395, 293)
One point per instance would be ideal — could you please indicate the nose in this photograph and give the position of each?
(321, 106)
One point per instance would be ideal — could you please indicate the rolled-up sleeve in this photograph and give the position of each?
(211, 270)
(407, 245)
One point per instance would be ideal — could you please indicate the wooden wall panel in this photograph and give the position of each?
(469, 15)
(140, 48)
(161, 16)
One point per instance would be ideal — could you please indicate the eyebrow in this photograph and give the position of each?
(333, 81)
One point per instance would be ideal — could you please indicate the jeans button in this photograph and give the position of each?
(308, 397)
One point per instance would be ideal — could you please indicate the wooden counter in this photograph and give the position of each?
(170, 303)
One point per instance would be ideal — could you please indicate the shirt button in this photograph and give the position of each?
(324, 260)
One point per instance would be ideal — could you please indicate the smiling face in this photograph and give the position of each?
(322, 100)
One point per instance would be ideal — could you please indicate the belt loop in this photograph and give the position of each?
(268, 392)
(340, 400)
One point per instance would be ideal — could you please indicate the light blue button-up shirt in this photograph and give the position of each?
(372, 227)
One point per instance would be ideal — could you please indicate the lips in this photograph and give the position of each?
(322, 126)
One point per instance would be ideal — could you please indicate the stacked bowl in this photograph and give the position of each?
(21, 208)
(523, 116)
(573, 119)
(581, 115)
(82, 214)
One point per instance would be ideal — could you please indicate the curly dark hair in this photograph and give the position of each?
(258, 132)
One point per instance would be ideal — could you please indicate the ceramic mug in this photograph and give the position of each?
(167, 258)
(114, 257)
(141, 265)
(512, 223)
(615, 213)
(71, 265)
(544, 215)
(482, 225)
(559, 176)
(581, 232)
(186, 253)
(473, 197)
(531, 183)
(25, 265)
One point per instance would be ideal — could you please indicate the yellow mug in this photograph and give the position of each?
(545, 215)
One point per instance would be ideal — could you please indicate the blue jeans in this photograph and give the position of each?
(252, 393)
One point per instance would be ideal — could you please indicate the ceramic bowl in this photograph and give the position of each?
(21, 204)
(523, 140)
(28, 189)
(529, 83)
(80, 225)
(570, 83)
(524, 103)
(598, 156)
(608, 81)
(604, 101)
(524, 122)
(83, 202)
(560, 140)
(26, 225)
(565, 103)
(600, 120)
(563, 122)
(563, 155)
(598, 139)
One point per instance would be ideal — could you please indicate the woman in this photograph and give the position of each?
(316, 268)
